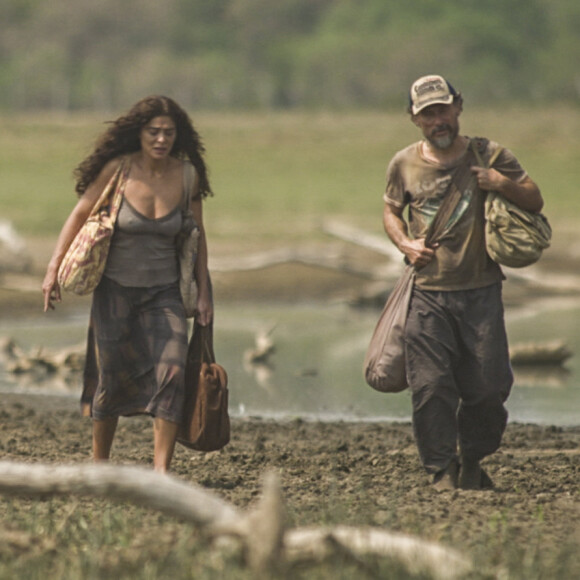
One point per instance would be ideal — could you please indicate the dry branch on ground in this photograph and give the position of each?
(262, 532)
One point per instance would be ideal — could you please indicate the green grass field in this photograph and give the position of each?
(276, 175)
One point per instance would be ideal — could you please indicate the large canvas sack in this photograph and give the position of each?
(84, 262)
(514, 237)
(384, 365)
(206, 423)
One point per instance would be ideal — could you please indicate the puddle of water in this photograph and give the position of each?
(316, 369)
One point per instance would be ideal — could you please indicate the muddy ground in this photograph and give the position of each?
(357, 473)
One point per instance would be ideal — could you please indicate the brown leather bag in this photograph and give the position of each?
(206, 422)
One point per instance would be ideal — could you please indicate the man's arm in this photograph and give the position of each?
(525, 194)
(415, 250)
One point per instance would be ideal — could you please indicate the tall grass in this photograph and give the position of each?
(276, 175)
(97, 540)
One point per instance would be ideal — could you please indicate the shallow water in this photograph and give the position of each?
(316, 369)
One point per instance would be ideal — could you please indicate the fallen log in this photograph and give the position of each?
(262, 533)
(121, 483)
(418, 557)
(330, 259)
(551, 353)
(40, 366)
(348, 233)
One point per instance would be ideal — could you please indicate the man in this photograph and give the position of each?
(458, 367)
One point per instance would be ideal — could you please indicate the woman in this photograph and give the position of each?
(138, 329)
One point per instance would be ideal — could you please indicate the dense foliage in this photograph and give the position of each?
(81, 54)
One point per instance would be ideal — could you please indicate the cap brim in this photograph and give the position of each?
(434, 101)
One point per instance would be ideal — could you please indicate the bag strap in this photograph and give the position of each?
(492, 159)
(119, 191)
(208, 355)
(113, 192)
(491, 195)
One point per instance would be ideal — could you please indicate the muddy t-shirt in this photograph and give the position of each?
(461, 261)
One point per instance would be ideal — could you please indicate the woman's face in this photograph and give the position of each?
(158, 137)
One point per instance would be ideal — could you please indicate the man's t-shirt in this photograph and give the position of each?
(461, 261)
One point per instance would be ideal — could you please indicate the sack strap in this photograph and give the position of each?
(459, 182)
(188, 181)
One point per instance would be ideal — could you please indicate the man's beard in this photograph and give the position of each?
(446, 141)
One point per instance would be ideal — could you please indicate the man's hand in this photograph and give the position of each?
(418, 254)
(414, 250)
(489, 179)
(525, 194)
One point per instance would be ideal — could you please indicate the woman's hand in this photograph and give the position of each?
(204, 309)
(50, 289)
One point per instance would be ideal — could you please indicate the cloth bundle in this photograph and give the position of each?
(384, 365)
(84, 262)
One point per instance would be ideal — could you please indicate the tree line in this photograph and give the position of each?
(69, 55)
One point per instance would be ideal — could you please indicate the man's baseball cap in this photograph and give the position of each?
(430, 90)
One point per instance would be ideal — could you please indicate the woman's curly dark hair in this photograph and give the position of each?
(123, 137)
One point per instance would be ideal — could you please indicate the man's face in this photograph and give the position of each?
(439, 124)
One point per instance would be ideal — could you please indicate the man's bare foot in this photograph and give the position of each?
(446, 479)
(472, 476)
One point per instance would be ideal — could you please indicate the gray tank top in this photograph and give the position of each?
(143, 251)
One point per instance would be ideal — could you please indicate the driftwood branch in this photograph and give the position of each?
(380, 244)
(262, 532)
(131, 484)
(17, 361)
(418, 556)
(330, 259)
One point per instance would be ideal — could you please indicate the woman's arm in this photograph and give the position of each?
(70, 229)
(201, 272)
